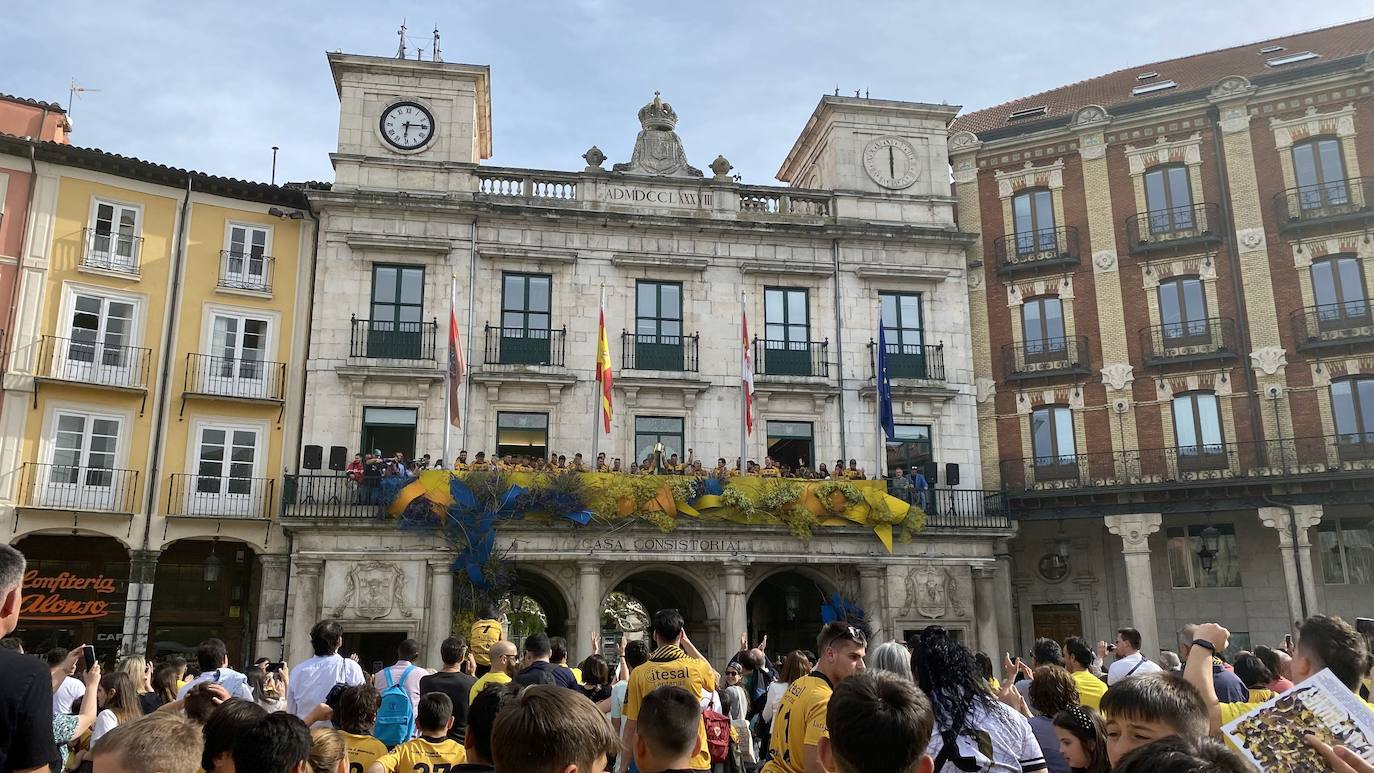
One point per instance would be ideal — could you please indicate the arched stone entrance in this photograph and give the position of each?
(535, 592)
(76, 592)
(786, 606)
(670, 587)
(202, 589)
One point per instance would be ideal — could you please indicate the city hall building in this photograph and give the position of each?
(862, 234)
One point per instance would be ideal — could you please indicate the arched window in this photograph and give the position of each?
(1169, 199)
(1032, 214)
(1197, 431)
(1339, 293)
(1352, 409)
(1319, 170)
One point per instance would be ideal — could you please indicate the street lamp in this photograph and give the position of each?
(791, 597)
(1211, 543)
(1063, 546)
(212, 566)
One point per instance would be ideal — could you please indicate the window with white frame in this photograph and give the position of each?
(238, 348)
(112, 240)
(97, 340)
(245, 264)
(1346, 546)
(226, 460)
(84, 449)
(1185, 559)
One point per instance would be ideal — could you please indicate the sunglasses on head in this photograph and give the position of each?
(849, 632)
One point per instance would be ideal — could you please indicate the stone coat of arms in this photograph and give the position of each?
(658, 149)
(930, 592)
(374, 589)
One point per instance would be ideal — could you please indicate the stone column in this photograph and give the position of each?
(588, 606)
(1298, 577)
(871, 596)
(736, 608)
(1134, 531)
(985, 608)
(272, 604)
(304, 606)
(440, 613)
(1006, 625)
(138, 603)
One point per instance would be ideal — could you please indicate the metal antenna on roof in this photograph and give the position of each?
(856, 93)
(437, 56)
(75, 91)
(401, 49)
(274, 164)
(837, 89)
(865, 93)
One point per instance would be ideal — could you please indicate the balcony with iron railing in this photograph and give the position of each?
(1034, 250)
(93, 362)
(116, 252)
(1334, 203)
(1176, 228)
(78, 489)
(1045, 358)
(950, 508)
(1198, 340)
(659, 352)
(1333, 325)
(805, 359)
(332, 496)
(524, 346)
(236, 378)
(410, 342)
(1350, 456)
(920, 362)
(249, 272)
(213, 496)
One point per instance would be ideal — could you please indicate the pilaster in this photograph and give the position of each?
(1296, 557)
(1135, 530)
(588, 605)
(985, 607)
(439, 617)
(304, 606)
(139, 601)
(1006, 627)
(275, 568)
(736, 607)
(871, 597)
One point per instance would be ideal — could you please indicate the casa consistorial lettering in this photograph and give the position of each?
(657, 545)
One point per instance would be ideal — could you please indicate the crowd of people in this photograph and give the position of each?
(928, 704)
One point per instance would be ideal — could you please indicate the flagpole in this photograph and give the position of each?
(596, 383)
(448, 371)
(466, 342)
(744, 389)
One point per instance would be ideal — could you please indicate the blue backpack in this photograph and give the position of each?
(395, 714)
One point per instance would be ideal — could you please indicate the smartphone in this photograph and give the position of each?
(1365, 625)
(273, 668)
(377, 666)
(87, 657)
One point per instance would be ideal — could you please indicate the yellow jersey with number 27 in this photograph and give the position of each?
(424, 755)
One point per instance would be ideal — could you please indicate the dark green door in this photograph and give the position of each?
(786, 332)
(395, 330)
(906, 352)
(525, 316)
(658, 326)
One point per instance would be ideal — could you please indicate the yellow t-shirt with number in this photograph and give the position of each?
(431, 755)
(481, 636)
(670, 665)
(800, 722)
(363, 750)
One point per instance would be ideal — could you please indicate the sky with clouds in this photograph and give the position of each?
(212, 85)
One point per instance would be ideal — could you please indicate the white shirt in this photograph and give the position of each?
(312, 680)
(772, 699)
(228, 678)
(70, 691)
(618, 691)
(1123, 666)
(105, 721)
(1004, 731)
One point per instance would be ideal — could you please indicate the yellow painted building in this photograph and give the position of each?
(152, 390)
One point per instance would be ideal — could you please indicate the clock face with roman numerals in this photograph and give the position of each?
(892, 162)
(407, 125)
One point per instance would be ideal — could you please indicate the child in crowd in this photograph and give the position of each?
(1082, 739)
(433, 750)
(878, 722)
(551, 729)
(1143, 709)
(666, 732)
(354, 720)
(277, 743)
(1183, 754)
(162, 742)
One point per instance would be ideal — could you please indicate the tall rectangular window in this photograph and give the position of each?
(1346, 546)
(526, 315)
(227, 460)
(522, 434)
(239, 346)
(909, 447)
(1338, 288)
(396, 329)
(786, 332)
(1183, 311)
(1169, 199)
(1052, 440)
(1042, 321)
(1320, 173)
(658, 325)
(1185, 565)
(113, 237)
(84, 449)
(97, 342)
(1352, 410)
(1033, 218)
(901, 320)
(245, 259)
(652, 430)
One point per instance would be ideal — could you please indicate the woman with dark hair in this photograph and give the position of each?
(973, 730)
(1252, 672)
(118, 700)
(164, 688)
(596, 680)
(1082, 740)
(266, 690)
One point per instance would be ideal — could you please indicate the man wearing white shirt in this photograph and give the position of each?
(69, 690)
(1129, 660)
(312, 679)
(213, 658)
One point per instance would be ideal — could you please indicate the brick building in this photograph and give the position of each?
(1173, 345)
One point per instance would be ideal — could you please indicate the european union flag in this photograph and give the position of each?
(884, 387)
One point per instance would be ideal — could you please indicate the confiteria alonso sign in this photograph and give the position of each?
(66, 596)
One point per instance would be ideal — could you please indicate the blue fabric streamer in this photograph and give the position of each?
(842, 609)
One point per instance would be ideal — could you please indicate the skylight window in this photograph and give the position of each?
(1028, 112)
(1301, 56)
(1153, 87)
(1146, 76)
(1271, 49)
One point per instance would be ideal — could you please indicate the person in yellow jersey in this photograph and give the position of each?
(433, 750)
(674, 662)
(356, 713)
(799, 724)
(504, 663)
(484, 632)
(460, 464)
(1078, 656)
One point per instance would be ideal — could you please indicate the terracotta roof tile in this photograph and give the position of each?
(1191, 73)
(53, 106)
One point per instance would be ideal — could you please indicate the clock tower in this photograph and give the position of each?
(403, 123)
(872, 146)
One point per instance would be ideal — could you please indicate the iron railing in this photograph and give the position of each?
(1333, 324)
(1319, 455)
(1189, 341)
(914, 361)
(387, 340)
(953, 508)
(1192, 225)
(235, 377)
(245, 271)
(1325, 203)
(89, 361)
(791, 358)
(1045, 357)
(111, 251)
(214, 496)
(522, 346)
(68, 487)
(1032, 250)
(332, 496)
(658, 352)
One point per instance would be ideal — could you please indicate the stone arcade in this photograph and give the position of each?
(866, 221)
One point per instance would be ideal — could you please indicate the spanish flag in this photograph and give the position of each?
(603, 371)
